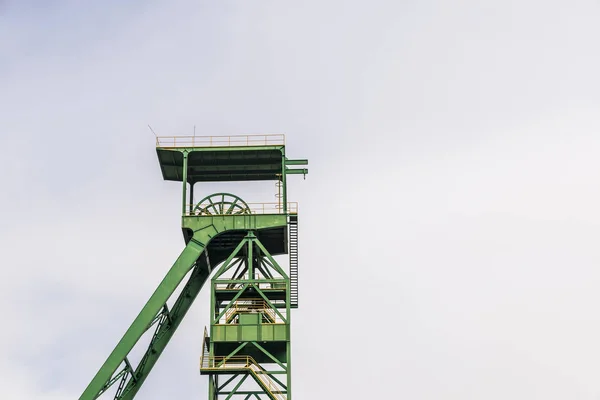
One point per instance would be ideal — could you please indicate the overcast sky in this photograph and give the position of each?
(449, 226)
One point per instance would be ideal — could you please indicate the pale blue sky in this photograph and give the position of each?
(453, 180)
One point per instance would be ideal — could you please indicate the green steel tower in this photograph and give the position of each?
(246, 349)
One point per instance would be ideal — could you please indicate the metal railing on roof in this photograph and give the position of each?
(220, 141)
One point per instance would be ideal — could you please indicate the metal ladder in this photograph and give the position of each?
(293, 242)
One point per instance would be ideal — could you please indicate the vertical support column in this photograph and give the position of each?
(185, 172)
(212, 387)
(288, 309)
(191, 196)
(250, 260)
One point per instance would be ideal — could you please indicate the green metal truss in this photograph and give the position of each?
(228, 234)
(117, 367)
(250, 326)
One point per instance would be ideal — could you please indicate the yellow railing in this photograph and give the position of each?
(253, 208)
(248, 306)
(220, 141)
(212, 363)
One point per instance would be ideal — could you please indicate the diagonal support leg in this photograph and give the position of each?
(165, 331)
(180, 268)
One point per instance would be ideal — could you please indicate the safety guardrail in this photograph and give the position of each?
(250, 306)
(253, 208)
(220, 141)
(261, 285)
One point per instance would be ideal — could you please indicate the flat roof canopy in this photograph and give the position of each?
(212, 164)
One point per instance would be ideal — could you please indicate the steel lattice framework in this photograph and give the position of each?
(247, 348)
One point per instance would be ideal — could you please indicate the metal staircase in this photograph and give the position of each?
(234, 364)
(293, 261)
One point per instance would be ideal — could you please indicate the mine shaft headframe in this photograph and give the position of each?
(210, 159)
(193, 159)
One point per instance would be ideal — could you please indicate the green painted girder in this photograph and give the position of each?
(203, 230)
(301, 171)
(140, 325)
(166, 330)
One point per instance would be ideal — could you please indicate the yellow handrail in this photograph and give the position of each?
(247, 306)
